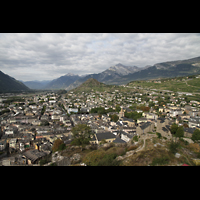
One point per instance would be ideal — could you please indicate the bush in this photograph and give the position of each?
(158, 134)
(135, 138)
(173, 147)
(58, 145)
(196, 135)
(93, 158)
(81, 134)
(160, 161)
(100, 158)
(108, 160)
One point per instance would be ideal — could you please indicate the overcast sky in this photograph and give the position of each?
(44, 56)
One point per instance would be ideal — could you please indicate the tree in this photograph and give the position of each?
(196, 135)
(56, 145)
(173, 128)
(117, 108)
(81, 134)
(180, 132)
(114, 118)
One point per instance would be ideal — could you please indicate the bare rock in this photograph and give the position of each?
(75, 158)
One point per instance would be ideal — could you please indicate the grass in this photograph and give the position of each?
(150, 155)
(172, 85)
(160, 161)
(103, 157)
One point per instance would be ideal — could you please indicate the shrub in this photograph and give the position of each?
(158, 134)
(108, 160)
(100, 158)
(160, 161)
(173, 147)
(56, 145)
(135, 138)
(196, 135)
(93, 158)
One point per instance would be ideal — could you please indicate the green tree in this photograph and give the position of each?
(81, 134)
(158, 134)
(196, 135)
(114, 118)
(180, 132)
(173, 128)
(117, 108)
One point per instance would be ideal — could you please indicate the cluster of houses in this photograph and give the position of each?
(31, 127)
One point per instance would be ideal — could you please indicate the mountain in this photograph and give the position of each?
(121, 69)
(92, 84)
(37, 85)
(9, 84)
(114, 72)
(120, 74)
(163, 70)
(62, 82)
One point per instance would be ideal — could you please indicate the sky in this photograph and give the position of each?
(47, 56)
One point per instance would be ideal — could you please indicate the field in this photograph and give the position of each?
(173, 84)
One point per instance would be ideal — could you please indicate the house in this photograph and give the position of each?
(12, 143)
(55, 117)
(74, 110)
(188, 132)
(142, 119)
(33, 156)
(193, 122)
(107, 136)
(125, 136)
(163, 127)
(150, 115)
(174, 113)
(129, 121)
(194, 113)
(144, 128)
(119, 140)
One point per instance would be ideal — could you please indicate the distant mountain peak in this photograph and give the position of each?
(119, 65)
(71, 74)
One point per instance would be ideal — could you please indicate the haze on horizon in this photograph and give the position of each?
(46, 56)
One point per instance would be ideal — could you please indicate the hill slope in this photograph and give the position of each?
(37, 85)
(120, 74)
(165, 69)
(189, 84)
(93, 85)
(107, 76)
(9, 84)
(62, 82)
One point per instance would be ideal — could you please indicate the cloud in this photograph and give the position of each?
(41, 56)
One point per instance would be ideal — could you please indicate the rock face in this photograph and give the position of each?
(75, 158)
(60, 160)
(64, 160)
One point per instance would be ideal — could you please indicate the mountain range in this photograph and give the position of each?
(120, 74)
(115, 75)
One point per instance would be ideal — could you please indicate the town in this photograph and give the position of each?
(32, 122)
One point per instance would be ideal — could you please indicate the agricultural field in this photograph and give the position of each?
(179, 84)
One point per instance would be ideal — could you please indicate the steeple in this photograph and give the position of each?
(121, 113)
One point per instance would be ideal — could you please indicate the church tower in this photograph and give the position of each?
(121, 113)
